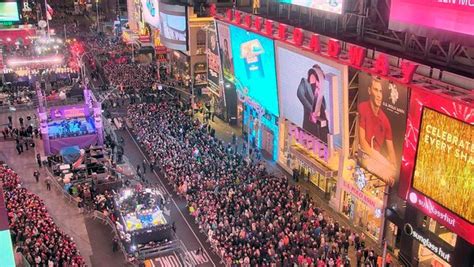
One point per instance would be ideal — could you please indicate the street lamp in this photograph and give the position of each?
(97, 10)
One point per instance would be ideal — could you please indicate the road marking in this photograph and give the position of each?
(197, 259)
(174, 260)
(168, 261)
(172, 198)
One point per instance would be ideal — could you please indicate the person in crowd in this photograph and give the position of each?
(36, 174)
(38, 160)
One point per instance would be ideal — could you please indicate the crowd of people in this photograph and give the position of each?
(252, 218)
(131, 75)
(33, 231)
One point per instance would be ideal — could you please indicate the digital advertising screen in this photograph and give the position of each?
(437, 170)
(311, 92)
(254, 67)
(9, 11)
(213, 62)
(225, 48)
(440, 18)
(150, 12)
(173, 27)
(382, 108)
(445, 159)
(334, 6)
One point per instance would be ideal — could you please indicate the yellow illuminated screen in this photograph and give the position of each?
(444, 168)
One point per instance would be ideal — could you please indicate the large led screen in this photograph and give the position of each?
(173, 27)
(382, 110)
(150, 12)
(444, 166)
(9, 11)
(334, 6)
(438, 17)
(311, 92)
(254, 67)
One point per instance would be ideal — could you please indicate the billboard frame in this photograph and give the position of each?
(450, 107)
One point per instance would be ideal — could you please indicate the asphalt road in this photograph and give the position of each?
(186, 230)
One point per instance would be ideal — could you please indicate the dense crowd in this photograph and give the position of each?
(33, 230)
(252, 217)
(131, 75)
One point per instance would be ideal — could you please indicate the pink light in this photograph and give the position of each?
(21, 62)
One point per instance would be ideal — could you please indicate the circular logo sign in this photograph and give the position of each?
(42, 23)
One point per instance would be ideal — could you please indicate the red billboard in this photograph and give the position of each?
(437, 172)
(438, 17)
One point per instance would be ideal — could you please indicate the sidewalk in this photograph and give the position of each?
(224, 132)
(66, 216)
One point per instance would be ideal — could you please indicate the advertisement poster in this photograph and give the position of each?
(440, 18)
(382, 108)
(225, 51)
(313, 93)
(254, 67)
(445, 159)
(334, 6)
(213, 62)
(173, 27)
(150, 12)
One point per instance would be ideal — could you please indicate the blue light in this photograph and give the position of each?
(254, 67)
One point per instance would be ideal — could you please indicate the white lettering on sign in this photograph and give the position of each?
(427, 205)
(429, 245)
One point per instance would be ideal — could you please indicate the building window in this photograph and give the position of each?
(201, 38)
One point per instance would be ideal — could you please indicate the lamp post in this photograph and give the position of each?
(97, 10)
(191, 81)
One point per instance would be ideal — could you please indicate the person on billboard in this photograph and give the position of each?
(227, 60)
(375, 135)
(311, 95)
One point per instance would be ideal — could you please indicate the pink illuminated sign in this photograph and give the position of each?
(370, 202)
(309, 142)
(449, 15)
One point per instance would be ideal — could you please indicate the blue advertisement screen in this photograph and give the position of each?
(254, 67)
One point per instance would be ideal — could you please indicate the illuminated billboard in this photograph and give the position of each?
(225, 51)
(173, 27)
(382, 112)
(437, 171)
(445, 159)
(150, 12)
(213, 62)
(311, 92)
(440, 18)
(9, 11)
(254, 67)
(334, 6)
